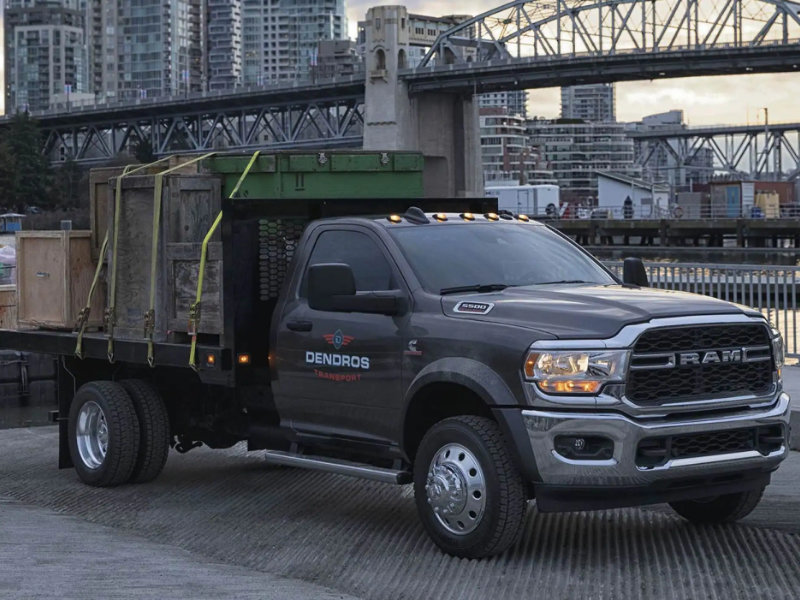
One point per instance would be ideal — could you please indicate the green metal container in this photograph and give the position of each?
(324, 174)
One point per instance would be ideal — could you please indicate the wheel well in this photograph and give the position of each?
(435, 402)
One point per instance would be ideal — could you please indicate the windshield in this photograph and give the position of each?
(486, 257)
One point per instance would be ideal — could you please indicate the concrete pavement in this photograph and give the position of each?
(46, 555)
(223, 524)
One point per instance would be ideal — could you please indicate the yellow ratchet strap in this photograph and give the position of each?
(194, 311)
(150, 315)
(110, 314)
(83, 316)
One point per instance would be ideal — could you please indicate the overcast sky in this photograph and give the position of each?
(705, 100)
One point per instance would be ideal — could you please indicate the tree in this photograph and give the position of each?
(67, 177)
(143, 152)
(24, 171)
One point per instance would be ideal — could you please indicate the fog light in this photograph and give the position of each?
(580, 447)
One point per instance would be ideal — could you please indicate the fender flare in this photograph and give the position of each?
(493, 391)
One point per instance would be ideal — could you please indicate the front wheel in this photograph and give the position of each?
(469, 495)
(719, 509)
(103, 434)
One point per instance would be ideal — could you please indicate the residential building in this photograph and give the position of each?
(224, 44)
(280, 37)
(576, 151)
(45, 52)
(337, 57)
(506, 153)
(594, 102)
(515, 101)
(146, 48)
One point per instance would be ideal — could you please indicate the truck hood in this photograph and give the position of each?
(582, 311)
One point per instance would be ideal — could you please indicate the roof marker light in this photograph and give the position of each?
(492, 216)
(523, 218)
(467, 216)
(395, 218)
(441, 217)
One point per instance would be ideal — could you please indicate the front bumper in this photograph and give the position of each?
(621, 471)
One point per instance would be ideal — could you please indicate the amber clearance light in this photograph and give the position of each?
(493, 216)
(570, 387)
(468, 216)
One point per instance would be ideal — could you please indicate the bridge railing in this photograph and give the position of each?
(770, 290)
(681, 211)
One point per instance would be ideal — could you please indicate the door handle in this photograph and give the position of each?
(299, 325)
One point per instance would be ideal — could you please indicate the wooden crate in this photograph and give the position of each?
(8, 306)
(101, 198)
(190, 203)
(99, 190)
(54, 274)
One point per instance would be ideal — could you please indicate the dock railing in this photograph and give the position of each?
(770, 290)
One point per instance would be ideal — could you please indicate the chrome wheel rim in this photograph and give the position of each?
(92, 435)
(456, 489)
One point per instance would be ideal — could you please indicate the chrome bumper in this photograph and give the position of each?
(621, 470)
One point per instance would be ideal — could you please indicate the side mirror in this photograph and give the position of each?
(634, 273)
(329, 281)
(332, 287)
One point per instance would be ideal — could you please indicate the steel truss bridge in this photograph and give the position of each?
(517, 45)
(319, 116)
(758, 150)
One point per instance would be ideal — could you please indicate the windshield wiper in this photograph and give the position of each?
(481, 289)
(562, 281)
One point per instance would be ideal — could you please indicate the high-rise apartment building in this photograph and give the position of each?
(515, 101)
(224, 44)
(45, 52)
(594, 102)
(577, 151)
(280, 37)
(146, 48)
(506, 153)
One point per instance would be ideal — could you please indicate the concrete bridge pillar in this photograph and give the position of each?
(444, 127)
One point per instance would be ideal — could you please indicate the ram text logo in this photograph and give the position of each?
(709, 357)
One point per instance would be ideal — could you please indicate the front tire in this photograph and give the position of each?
(719, 509)
(103, 434)
(469, 495)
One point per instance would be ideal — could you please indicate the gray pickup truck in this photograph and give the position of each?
(483, 357)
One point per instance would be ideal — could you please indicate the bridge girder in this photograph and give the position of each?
(318, 124)
(571, 28)
(755, 151)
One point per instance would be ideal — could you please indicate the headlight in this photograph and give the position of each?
(575, 371)
(777, 349)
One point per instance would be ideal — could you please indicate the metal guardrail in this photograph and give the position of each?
(677, 211)
(773, 291)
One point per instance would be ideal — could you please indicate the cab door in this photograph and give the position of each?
(341, 373)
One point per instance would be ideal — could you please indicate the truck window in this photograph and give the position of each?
(371, 270)
(445, 256)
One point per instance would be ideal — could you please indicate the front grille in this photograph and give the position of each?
(653, 452)
(653, 384)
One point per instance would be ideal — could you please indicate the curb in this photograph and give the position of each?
(794, 429)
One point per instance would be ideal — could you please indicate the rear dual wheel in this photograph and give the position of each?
(118, 433)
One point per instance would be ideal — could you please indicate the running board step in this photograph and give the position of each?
(339, 467)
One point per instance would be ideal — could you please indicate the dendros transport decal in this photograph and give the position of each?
(348, 367)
